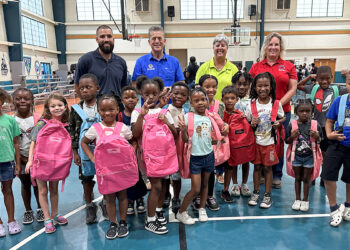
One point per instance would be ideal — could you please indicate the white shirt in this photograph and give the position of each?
(92, 135)
(135, 114)
(25, 125)
(175, 113)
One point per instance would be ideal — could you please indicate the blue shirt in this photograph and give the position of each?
(112, 74)
(333, 115)
(167, 68)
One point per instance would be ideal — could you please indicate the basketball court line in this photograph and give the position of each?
(37, 233)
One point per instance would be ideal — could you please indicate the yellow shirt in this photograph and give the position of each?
(224, 76)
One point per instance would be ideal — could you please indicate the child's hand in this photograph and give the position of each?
(225, 130)
(145, 108)
(77, 160)
(164, 97)
(28, 166)
(276, 125)
(295, 134)
(182, 124)
(163, 118)
(314, 134)
(17, 169)
(335, 136)
(254, 122)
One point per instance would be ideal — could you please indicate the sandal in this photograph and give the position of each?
(14, 227)
(337, 216)
(49, 227)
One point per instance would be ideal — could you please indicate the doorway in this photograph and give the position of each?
(181, 55)
(326, 62)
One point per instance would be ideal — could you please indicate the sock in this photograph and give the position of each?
(123, 222)
(149, 219)
(346, 204)
(114, 224)
(159, 209)
(89, 204)
(333, 208)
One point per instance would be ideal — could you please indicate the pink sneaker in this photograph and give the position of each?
(14, 227)
(49, 227)
(60, 220)
(2, 230)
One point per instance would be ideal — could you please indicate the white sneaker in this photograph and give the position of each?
(245, 190)
(337, 216)
(185, 218)
(296, 205)
(346, 214)
(203, 217)
(236, 192)
(304, 206)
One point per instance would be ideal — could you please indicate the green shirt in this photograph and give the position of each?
(224, 76)
(8, 130)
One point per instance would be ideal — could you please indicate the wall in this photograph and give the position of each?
(4, 52)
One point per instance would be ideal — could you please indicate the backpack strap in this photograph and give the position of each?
(294, 145)
(120, 117)
(216, 106)
(118, 128)
(341, 111)
(314, 91)
(98, 129)
(274, 111)
(313, 142)
(163, 111)
(36, 117)
(335, 91)
(190, 125)
(216, 128)
(254, 109)
(80, 111)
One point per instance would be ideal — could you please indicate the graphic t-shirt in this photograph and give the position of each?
(25, 125)
(8, 130)
(243, 103)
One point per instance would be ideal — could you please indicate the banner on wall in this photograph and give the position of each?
(27, 64)
(4, 67)
(37, 67)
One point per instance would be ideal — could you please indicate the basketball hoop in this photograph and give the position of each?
(238, 36)
(136, 39)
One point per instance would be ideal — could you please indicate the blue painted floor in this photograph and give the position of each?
(272, 233)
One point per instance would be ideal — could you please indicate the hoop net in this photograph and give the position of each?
(238, 36)
(136, 39)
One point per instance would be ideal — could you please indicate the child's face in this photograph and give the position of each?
(242, 86)
(129, 99)
(324, 79)
(88, 89)
(304, 112)
(150, 93)
(56, 108)
(108, 110)
(1, 103)
(180, 96)
(210, 86)
(199, 102)
(230, 100)
(263, 88)
(23, 101)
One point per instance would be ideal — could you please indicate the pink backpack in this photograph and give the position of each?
(115, 160)
(158, 145)
(53, 153)
(317, 154)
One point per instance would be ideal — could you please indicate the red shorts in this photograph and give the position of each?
(266, 155)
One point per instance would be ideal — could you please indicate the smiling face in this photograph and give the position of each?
(57, 109)
(88, 89)
(210, 86)
(304, 112)
(263, 88)
(105, 40)
(199, 102)
(23, 102)
(324, 79)
(180, 96)
(220, 49)
(157, 41)
(230, 100)
(108, 110)
(274, 48)
(129, 99)
(242, 86)
(150, 92)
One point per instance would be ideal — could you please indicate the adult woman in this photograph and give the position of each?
(286, 82)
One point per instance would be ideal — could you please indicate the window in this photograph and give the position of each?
(320, 8)
(142, 5)
(283, 4)
(96, 10)
(33, 32)
(210, 9)
(34, 6)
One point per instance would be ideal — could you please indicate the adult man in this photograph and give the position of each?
(157, 63)
(109, 68)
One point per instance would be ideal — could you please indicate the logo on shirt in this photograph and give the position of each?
(150, 67)
(281, 68)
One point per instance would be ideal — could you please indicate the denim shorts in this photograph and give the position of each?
(306, 162)
(7, 170)
(203, 162)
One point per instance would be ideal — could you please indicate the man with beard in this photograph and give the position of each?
(109, 68)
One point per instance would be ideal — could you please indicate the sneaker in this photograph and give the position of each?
(185, 218)
(166, 202)
(266, 202)
(2, 230)
(276, 184)
(262, 180)
(40, 215)
(123, 229)
(102, 205)
(49, 227)
(245, 192)
(235, 191)
(220, 178)
(28, 217)
(337, 216)
(155, 227)
(304, 206)
(212, 204)
(140, 206)
(175, 204)
(112, 231)
(131, 209)
(346, 214)
(196, 203)
(253, 201)
(296, 205)
(91, 210)
(202, 217)
(60, 220)
(161, 218)
(14, 227)
(226, 196)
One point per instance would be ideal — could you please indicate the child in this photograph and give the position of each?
(303, 163)
(150, 91)
(202, 156)
(338, 154)
(10, 166)
(263, 95)
(242, 81)
(322, 95)
(108, 108)
(85, 113)
(23, 100)
(129, 100)
(55, 108)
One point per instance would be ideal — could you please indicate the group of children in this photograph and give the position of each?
(168, 140)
